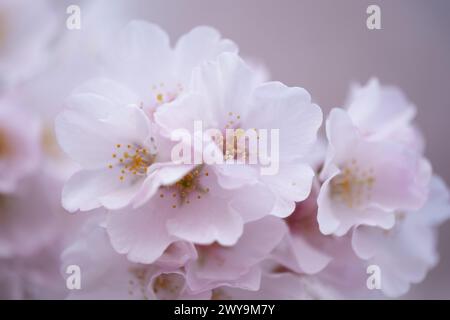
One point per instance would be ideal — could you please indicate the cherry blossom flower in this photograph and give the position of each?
(124, 150)
(366, 182)
(236, 100)
(196, 207)
(406, 252)
(125, 160)
(115, 144)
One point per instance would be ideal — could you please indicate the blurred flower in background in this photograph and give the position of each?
(86, 117)
(26, 29)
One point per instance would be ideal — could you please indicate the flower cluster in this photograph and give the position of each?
(118, 139)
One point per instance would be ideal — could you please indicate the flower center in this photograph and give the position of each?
(164, 94)
(353, 186)
(168, 286)
(234, 142)
(235, 147)
(138, 282)
(186, 189)
(132, 160)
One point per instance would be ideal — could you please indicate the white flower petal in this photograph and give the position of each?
(199, 45)
(141, 233)
(379, 111)
(90, 130)
(276, 106)
(90, 189)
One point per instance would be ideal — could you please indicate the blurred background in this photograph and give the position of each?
(325, 46)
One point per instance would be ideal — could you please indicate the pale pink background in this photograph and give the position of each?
(324, 45)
